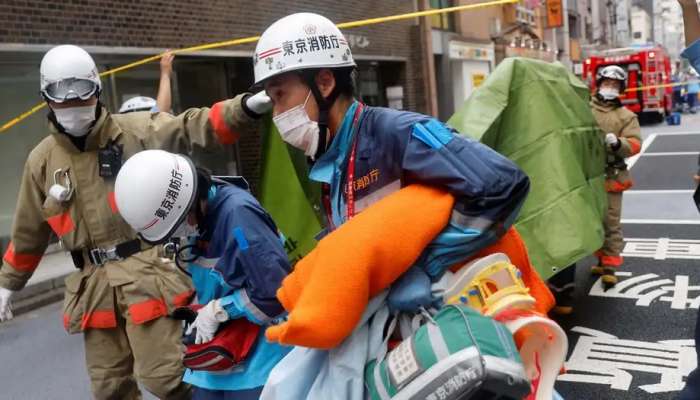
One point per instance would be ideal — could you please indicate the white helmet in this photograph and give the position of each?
(154, 192)
(300, 41)
(613, 72)
(68, 72)
(138, 103)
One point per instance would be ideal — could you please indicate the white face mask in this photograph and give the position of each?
(185, 230)
(76, 121)
(609, 93)
(298, 129)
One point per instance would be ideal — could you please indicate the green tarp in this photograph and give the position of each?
(283, 192)
(537, 114)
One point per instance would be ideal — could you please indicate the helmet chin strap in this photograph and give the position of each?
(324, 107)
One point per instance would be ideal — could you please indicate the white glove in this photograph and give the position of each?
(207, 322)
(5, 307)
(259, 103)
(611, 139)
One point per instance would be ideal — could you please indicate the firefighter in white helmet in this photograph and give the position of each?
(139, 103)
(231, 232)
(622, 139)
(121, 292)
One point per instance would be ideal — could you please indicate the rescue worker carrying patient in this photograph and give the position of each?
(122, 289)
(362, 154)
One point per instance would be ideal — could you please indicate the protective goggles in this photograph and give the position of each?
(70, 89)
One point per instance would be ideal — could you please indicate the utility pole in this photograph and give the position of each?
(566, 56)
(595, 16)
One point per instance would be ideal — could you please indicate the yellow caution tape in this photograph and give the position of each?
(253, 39)
(664, 85)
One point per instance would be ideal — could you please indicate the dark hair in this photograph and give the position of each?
(344, 79)
(203, 183)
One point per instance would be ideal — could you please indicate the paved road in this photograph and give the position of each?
(634, 342)
(628, 344)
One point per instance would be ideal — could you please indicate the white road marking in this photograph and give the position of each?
(671, 153)
(601, 358)
(662, 248)
(681, 133)
(661, 221)
(660, 191)
(647, 288)
(645, 145)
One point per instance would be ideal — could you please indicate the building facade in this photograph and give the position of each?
(641, 24)
(465, 48)
(117, 33)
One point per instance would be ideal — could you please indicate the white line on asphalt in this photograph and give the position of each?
(662, 248)
(650, 240)
(661, 221)
(682, 133)
(671, 153)
(645, 145)
(660, 191)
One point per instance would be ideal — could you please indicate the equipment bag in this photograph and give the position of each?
(232, 343)
(457, 354)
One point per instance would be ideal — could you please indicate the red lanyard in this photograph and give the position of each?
(350, 192)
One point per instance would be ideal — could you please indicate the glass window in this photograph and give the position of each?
(202, 83)
(368, 85)
(141, 81)
(19, 82)
(442, 21)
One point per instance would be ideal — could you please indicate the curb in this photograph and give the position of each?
(38, 295)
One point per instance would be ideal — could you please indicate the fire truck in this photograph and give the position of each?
(646, 67)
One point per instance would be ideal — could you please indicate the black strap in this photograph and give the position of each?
(78, 260)
(122, 250)
(324, 106)
(129, 248)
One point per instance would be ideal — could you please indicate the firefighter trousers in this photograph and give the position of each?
(150, 353)
(613, 228)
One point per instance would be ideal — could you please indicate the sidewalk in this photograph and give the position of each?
(46, 285)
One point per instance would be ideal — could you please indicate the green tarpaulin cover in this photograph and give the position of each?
(537, 114)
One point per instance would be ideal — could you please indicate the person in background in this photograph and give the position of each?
(622, 139)
(677, 79)
(691, 26)
(693, 90)
(165, 98)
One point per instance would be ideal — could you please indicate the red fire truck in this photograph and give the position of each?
(645, 66)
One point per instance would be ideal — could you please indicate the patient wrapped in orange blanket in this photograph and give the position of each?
(330, 288)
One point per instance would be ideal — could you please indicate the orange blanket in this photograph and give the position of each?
(330, 288)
